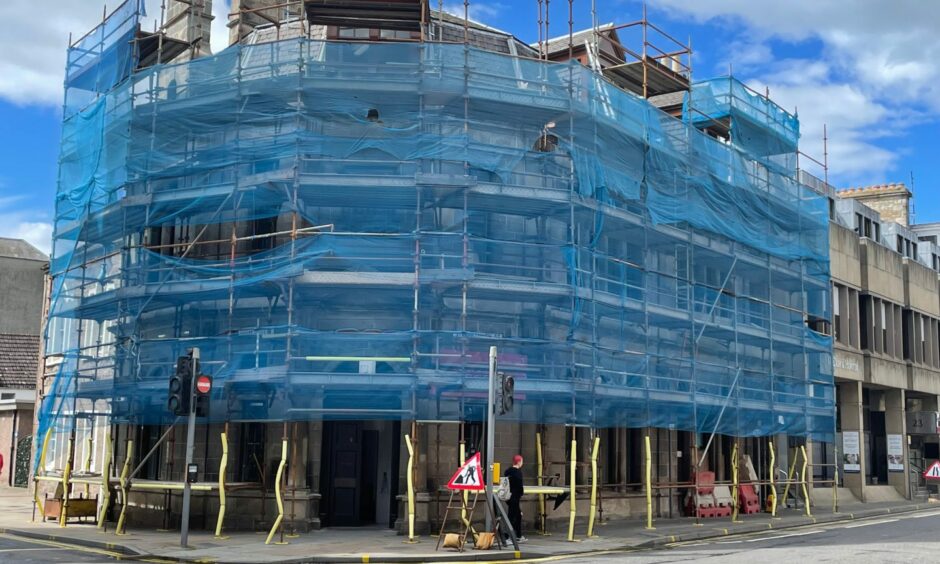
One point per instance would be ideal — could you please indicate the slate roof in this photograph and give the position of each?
(560, 43)
(19, 360)
(18, 248)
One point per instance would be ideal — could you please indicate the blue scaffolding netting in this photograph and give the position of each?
(344, 229)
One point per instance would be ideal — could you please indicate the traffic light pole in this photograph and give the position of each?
(490, 435)
(190, 439)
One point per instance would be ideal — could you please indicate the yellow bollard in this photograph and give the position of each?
(573, 511)
(593, 513)
(538, 459)
(40, 469)
(222, 465)
(803, 479)
(105, 481)
(649, 485)
(773, 487)
(411, 490)
(734, 483)
(277, 492)
(119, 530)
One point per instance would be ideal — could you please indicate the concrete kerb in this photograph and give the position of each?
(475, 556)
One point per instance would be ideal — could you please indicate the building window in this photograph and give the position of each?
(395, 34)
(837, 313)
(923, 339)
(352, 33)
(884, 327)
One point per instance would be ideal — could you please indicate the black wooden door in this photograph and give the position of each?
(345, 473)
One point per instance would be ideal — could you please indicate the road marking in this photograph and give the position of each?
(27, 549)
(78, 548)
(775, 537)
(870, 523)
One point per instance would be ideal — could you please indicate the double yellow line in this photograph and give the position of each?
(79, 548)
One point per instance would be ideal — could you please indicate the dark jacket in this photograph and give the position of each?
(515, 481)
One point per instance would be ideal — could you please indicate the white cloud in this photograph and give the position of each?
(22, 224)
(34, 41)
(37, 234)
(879, 64)
(219, 31)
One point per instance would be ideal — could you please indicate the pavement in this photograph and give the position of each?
(340, 545)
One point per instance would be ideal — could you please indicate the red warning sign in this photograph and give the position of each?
(933, 471)
(469, 476)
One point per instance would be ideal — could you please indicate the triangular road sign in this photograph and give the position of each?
(469, 476)
(933, 471)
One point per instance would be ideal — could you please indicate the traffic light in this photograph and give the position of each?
(507, 388)
(181, 386)
(202, 389)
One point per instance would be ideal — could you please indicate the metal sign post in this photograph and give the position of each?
(190, 439)
(490, 434)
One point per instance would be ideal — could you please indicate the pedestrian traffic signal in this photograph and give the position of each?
(181, 386)
(507, 387)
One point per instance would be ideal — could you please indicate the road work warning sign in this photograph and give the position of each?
(469, 476)
(933, 471)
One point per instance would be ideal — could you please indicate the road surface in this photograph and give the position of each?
(913, 537)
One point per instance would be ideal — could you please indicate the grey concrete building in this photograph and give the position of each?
(886, 352)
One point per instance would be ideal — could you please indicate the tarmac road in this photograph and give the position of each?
(912, 537)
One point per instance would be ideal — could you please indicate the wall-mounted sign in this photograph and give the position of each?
(895, 453)
(923, 422)
(845, 362)
(851, 457)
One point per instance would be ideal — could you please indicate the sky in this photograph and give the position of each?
(869, 70)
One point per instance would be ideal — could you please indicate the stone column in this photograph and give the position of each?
(851, 420)
(895, 424)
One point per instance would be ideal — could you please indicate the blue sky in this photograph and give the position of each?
(869, 69)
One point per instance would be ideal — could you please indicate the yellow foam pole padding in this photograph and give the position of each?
(734, 482)
(119, 530)
(465, 493)
(786, 489)
(773, 487)
(835, 486)
(40, 469)
(538, 462)
(411, 489)
(573, 511)
(649, 484)
(593, 513)
(277, 492)
(222, 464)
(86, 467)
(805, 491)
(105, 481)
(64, 508)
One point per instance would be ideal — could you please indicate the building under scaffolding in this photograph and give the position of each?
(346, 208)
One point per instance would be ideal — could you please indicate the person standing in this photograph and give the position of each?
(516, 489)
